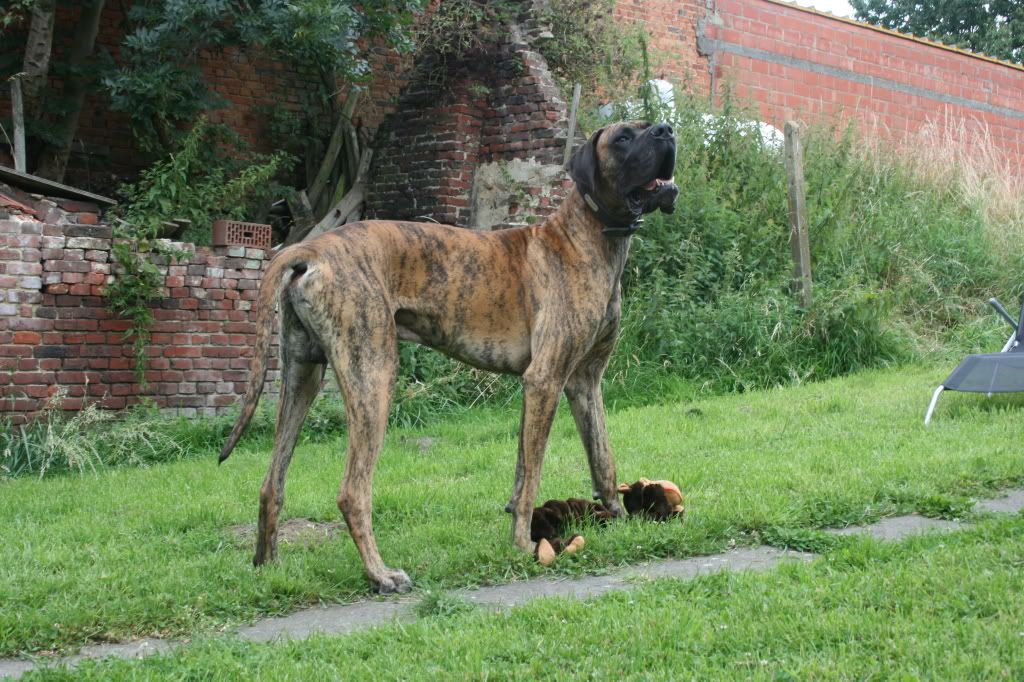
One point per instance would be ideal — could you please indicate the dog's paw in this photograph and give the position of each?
(545, 552)
(392, 581)
(615, 509)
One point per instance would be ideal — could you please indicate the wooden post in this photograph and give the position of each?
(302, 217)
(571, 137)
(798, 242)
(18, 111)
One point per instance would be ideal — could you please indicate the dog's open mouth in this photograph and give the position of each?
(658, 194)
(656, 183)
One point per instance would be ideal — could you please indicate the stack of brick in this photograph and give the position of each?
(56, 336)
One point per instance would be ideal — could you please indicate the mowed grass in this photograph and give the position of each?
(136, 552)
(944, 607)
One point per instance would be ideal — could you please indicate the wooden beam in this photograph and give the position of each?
(570, 139)
(34, 183)
(302, 217)
(334, 148)
(18, 111)
(798, 239)
(352, 200)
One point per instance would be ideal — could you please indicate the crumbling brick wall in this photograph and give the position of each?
(56, 334)
(455, 119)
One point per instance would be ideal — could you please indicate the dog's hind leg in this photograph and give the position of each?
(300, 383)
(365, 358)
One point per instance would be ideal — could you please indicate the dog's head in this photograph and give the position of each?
(626, 169)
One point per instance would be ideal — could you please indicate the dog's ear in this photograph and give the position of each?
(583, 165)
(633, 498)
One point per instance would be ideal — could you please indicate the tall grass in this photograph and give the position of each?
(84, 441)
(907, 241)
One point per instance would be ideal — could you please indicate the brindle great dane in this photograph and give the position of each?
(542, 302)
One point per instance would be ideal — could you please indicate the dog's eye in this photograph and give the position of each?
(622, 139)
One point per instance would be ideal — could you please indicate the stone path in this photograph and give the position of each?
(344, 618)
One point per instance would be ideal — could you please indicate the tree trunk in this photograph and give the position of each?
(38, 47)
(54, 159)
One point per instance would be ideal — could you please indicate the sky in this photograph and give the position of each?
(840, 8)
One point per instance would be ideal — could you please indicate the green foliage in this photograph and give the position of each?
(443, 605)
(591, 47)
(137, 282)
(161, 87)
(15, 14)
(897, 261)
(160, 83)
(199, 182)
(992, 27)
(458, 28)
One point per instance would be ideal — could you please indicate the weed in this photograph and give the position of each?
(442, 604)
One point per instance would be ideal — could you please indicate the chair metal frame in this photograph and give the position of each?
(1013, 342)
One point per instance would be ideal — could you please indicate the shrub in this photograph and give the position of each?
(901, 257)
(208, 176)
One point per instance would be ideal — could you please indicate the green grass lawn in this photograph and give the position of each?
(135, 552)
(946, 607)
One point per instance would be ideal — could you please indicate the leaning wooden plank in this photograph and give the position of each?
(302, 217)
(352, 200)
(18, 116)
(333, 149)
(34, 183)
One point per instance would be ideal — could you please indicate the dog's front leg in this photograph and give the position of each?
(517, 487)
(540, 401)
(583, 389)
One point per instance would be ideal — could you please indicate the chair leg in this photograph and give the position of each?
(931, 406)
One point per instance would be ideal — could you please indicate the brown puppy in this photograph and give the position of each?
(541, 302)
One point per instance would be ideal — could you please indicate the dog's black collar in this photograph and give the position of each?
(614, 225)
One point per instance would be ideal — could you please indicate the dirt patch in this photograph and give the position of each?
(424, 444)
(292, 532)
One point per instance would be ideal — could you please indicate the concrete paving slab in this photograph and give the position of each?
(15, 668)
(329, 620)
(1012, 503)
(744, 559)
(899, 527)
(736, 560)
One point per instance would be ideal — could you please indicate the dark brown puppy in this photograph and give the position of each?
(541, 302)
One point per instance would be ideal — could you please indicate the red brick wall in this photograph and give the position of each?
(797, 63)
(55, 331)
(671, 27)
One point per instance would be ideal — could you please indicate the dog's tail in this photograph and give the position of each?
(289, 261)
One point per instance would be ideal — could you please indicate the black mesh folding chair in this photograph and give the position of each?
(1001, 372)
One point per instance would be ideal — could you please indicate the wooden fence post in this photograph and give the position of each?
(571, 138)
(798, 242)
(18, 111)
